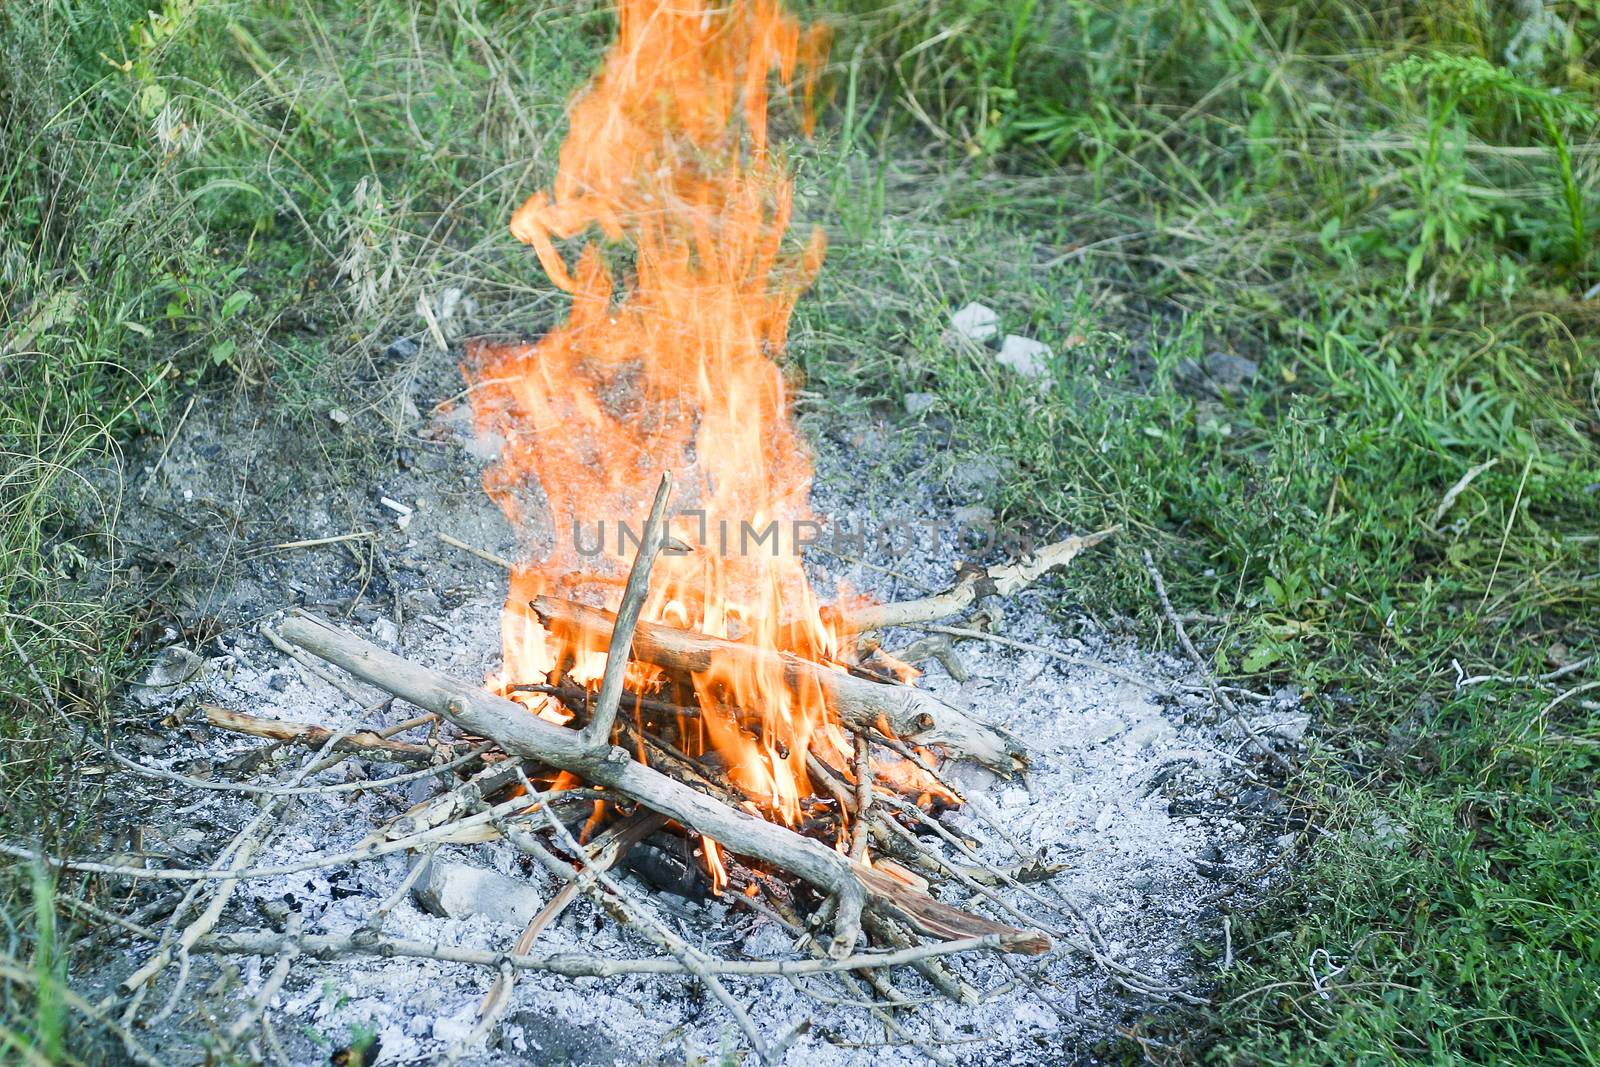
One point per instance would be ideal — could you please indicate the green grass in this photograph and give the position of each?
(1369, 201)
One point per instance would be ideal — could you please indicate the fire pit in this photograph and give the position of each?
(681, 732)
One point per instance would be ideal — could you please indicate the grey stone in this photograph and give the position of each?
(172, 667)
(1027, 357)
(1288, 726)
(1220, 373)
(919, 403)
(400, 348)
(974, 323)
(457, 890)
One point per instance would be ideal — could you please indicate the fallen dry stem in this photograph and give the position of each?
(598, 732)
(1193, 653)
(312, 736)
(974, 583)
(575, 965)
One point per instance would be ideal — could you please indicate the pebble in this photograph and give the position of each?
(457, 891)
(919, 403)
(172, 667)
(975, 323)
(1027, 357)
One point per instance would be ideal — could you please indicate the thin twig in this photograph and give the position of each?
(297, 790)
(372, 851)
(312, 666)
(269, 989)
(575, 964)
(1043, 650)
(471, 550)
(654, 930)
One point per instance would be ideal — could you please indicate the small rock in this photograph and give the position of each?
(1382, 831)
(1260, 799)
(918, 403)
(977, 475)
(172, 667)
(974, 323)
(1288, 726)
(456, 891)
(1027, 357)
(1220, 373)
(385, 631)
(422, 602)
(400, 348)
(339, 417)
(1103, 821)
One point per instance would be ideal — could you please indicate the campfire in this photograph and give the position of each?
(673, 694)
(665, 657)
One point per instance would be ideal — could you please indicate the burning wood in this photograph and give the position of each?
(529, 736)
(862, 705)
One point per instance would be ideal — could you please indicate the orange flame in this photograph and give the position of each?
(667, 362)
(680, 304)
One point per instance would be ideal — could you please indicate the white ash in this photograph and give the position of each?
(1123, 792)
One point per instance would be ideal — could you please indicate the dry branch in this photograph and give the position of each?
(974, 583)
(913, 714)
(524, 734)
(573, 965)
(311, 736)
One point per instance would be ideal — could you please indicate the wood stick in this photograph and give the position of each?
(598, 732)
(527, 735)
(312, 736)
(603, 853)
(858, 840)
(913, 714)
(974, 583)
(573, 964)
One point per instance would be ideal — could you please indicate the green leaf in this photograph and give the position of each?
(1263, 655)
(236, 301)
(222, 351)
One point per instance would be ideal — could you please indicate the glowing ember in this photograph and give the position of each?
(679, 305)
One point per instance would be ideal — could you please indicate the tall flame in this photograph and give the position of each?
(681, 299)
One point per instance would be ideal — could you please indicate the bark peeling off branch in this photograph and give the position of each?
(913, 714)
